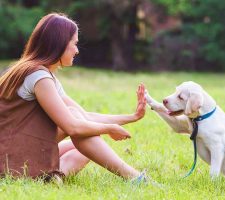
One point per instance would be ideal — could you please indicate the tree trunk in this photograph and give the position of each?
(123, 38)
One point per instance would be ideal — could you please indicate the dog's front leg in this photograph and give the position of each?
(155, 105)
(179, 124)
(217, 156)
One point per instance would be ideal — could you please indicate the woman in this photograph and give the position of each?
(36, 114)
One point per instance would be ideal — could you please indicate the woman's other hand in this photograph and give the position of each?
(118, 133)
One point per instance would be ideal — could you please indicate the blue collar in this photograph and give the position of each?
(205, 116)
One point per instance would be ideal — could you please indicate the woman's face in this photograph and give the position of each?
(70, 52)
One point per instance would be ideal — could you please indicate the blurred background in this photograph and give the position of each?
(152, 35)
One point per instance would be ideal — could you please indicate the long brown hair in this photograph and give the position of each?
(45, 47)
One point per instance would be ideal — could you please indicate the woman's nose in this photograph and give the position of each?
(77, 52)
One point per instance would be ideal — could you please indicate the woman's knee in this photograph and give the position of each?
(65, 146)
(68, 152)
(74, 156)
(73, 161)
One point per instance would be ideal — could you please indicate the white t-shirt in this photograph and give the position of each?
(26, 90)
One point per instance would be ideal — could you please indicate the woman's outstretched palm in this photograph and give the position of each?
(141, 104)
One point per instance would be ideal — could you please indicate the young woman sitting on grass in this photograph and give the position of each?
(36, 114)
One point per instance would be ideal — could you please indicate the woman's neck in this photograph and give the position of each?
(54, 67)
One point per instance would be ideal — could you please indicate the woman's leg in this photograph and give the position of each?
(71, 160)
(96, 149)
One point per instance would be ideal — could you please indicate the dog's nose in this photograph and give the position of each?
(165, 101)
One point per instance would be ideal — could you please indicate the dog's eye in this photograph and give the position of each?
(179, 96)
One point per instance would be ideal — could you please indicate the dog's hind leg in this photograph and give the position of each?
(217, 156)
(203, 151)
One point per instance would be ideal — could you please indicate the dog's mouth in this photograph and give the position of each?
(175, 113)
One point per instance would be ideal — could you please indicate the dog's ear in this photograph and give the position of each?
(194, 103)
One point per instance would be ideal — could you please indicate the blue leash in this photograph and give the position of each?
(195, 160)
(193, 138)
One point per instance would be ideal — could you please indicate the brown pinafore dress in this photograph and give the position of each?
(27, 138)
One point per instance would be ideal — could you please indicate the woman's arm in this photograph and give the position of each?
(115, 119)
(57, 110)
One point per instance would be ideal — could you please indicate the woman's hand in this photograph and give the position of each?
(141, 104)
(118, 133)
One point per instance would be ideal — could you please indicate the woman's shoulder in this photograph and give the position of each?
(37, 68)
(26, 90)
(39, 74)
(38, 71)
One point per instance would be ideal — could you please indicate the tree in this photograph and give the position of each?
(204, 22)
(122, 30)
(117, 22)
(17, 22)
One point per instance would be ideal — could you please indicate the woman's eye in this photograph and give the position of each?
(179, 96)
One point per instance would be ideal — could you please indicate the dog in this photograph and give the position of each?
(191, 102)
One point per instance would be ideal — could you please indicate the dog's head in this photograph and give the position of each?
(187, 99)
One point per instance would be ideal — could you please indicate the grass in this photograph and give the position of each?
(154, 146)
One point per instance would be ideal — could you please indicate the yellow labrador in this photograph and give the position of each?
(190, 102)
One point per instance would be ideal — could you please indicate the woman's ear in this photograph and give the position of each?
(194, 103)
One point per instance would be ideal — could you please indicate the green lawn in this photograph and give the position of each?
(154, 146)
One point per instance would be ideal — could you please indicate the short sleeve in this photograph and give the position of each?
(26, 90)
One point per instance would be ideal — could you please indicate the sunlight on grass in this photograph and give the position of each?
(154, 146)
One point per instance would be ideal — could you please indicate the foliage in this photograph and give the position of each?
(202, 21)
(206, 20)
(174, 7)
(17, 22)
(114, 24)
